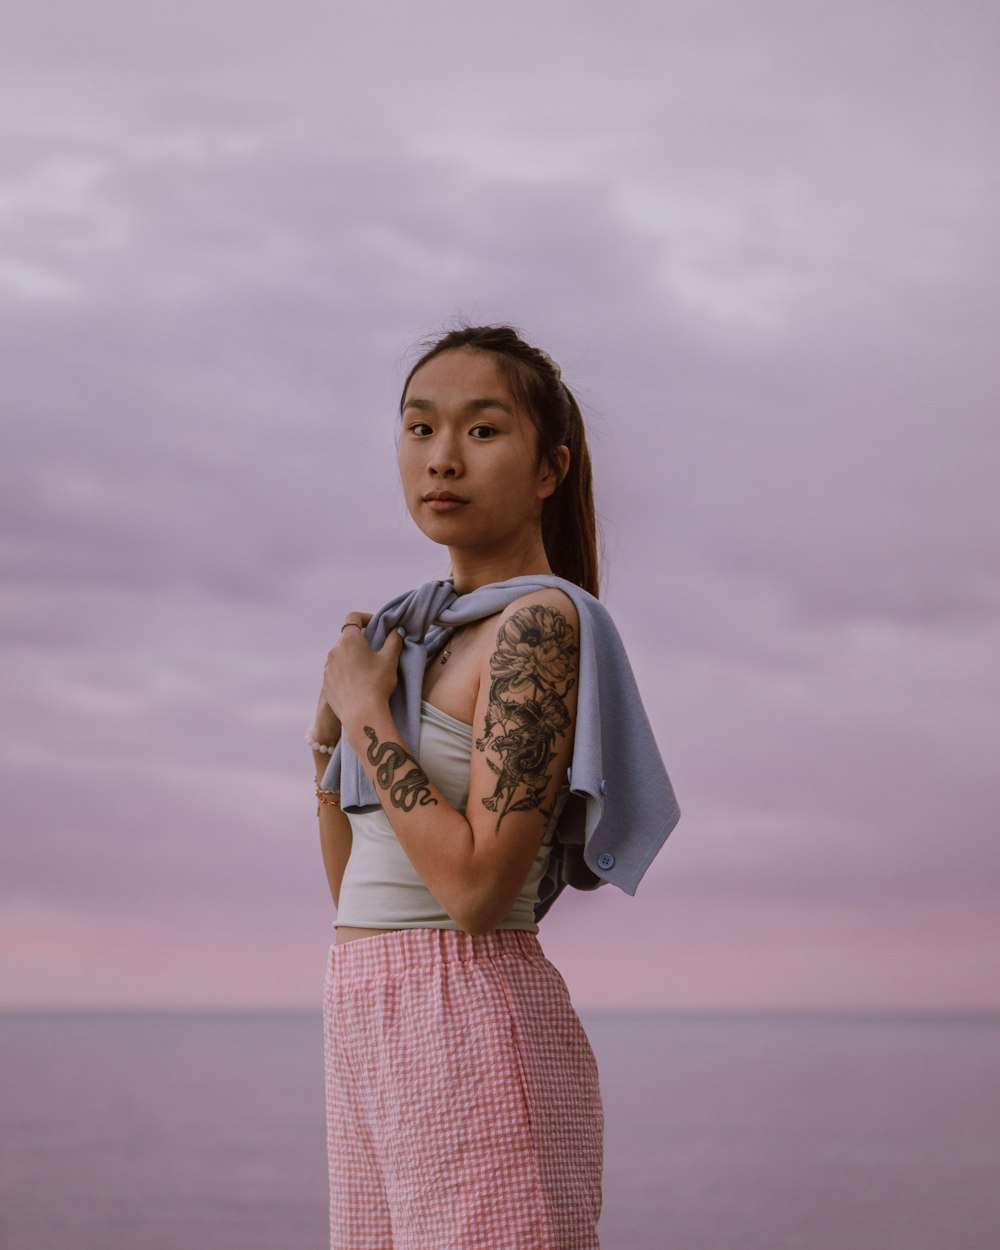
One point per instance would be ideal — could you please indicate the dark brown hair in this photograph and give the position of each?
(569, 524)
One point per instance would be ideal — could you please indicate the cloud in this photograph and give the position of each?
(760, 242)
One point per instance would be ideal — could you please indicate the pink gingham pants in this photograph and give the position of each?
(462, 1098)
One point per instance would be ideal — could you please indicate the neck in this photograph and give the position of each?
(472, 569)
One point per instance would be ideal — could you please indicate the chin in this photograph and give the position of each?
(439, 531)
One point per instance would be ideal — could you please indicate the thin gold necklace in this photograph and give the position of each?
(446, 653)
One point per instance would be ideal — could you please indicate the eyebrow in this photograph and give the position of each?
(479, 404)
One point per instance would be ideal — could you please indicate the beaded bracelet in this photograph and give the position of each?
(327, 798)
(319, 746)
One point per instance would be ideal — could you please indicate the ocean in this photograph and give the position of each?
(163, 1131)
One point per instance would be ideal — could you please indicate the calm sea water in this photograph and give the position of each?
(169, 1131)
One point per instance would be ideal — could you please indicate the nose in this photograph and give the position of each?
(444, 460)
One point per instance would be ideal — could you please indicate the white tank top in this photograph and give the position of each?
(381, 889)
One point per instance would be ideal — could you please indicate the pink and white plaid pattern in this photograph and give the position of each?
(462, 1098)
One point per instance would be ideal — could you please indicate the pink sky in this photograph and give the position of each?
(760, 239)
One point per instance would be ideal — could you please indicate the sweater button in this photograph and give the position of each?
(603, 787)
(607, 860)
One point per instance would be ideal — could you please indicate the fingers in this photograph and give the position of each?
(356, 620)
(391, 646)
(393, 640)
(355, 672)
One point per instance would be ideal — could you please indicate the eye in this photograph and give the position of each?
(420, 428)
(482, 432)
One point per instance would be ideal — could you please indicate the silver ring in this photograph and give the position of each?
(354, 623)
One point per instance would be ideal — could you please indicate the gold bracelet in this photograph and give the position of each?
(327, 798)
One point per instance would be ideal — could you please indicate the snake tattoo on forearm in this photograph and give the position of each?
(412, 788)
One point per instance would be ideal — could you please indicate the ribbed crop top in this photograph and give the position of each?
(381, 889)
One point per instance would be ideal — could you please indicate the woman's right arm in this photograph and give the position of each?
(334, 827)
(335, 836)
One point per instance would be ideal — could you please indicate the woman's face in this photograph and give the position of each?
(467, 455)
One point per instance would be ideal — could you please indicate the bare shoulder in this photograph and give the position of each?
(548, 608)
(537, 646)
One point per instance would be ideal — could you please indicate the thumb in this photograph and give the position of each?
(393, 642)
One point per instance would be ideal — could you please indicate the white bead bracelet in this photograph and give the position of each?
(319, 746)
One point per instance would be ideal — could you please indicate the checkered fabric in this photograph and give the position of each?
(462, 1097)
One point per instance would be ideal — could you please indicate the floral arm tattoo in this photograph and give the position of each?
(532, 672)
(412, 788)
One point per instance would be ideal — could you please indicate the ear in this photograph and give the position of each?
(554, 472)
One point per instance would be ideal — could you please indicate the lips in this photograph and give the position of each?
(444, 501)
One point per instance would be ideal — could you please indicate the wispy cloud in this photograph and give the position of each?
(760, 240)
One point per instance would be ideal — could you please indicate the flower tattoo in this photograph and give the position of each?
(532, 671)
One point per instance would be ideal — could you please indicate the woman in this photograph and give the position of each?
(463, 721)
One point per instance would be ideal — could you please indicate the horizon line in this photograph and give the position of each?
(895, 1013)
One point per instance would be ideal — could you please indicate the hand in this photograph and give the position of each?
(326, 727)
(357, 678)
(326, 724)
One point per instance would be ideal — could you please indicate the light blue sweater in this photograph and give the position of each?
(622, 806)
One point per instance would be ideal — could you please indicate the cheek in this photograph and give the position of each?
(527, 467)
(404, 466)
(513, 462)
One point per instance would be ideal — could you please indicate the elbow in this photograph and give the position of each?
(476, 925)
(479, 915)
(480, 901)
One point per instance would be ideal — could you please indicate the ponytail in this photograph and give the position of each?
(569, 523)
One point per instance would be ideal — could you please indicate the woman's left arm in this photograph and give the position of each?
(474, 864)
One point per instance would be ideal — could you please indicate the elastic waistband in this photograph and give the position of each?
(408, 948)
